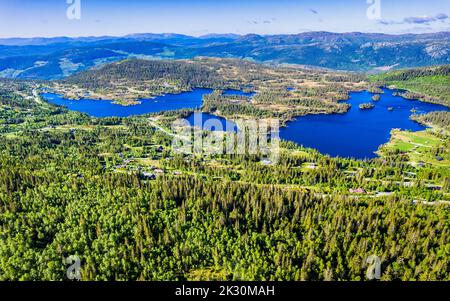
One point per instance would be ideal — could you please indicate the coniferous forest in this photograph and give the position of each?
(73, 185)
(235, 148)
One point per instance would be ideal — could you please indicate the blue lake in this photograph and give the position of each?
(211, 122)
(168, 102)
(357, 133)
(238, 92)
(106, 108)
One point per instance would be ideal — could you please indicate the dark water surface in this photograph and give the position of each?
(211, 122)
(106, 108)
(357, 133)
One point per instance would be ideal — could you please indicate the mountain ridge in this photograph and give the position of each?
(54, 58)
(21, 41)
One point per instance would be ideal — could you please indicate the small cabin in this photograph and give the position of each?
(266, 162)
(148, 176)
(357, 191)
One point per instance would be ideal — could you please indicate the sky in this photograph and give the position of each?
(47, 18)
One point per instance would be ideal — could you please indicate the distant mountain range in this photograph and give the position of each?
(54, 58)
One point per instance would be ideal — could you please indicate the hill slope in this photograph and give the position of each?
(430, 84)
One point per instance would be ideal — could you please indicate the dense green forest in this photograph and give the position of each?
(75, 185)
(186, 74)
(428, 83)
(267, 104)
(441, 119)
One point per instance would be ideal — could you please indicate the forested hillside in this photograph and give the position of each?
(75, 185)
(440, 119)
(279, 92)
(186, 74)
(429, 84)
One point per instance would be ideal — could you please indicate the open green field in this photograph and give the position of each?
(419, 146)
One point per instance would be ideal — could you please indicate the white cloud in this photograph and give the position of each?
(426, 20)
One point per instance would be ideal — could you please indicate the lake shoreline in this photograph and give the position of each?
(301, 124)
(352, 133)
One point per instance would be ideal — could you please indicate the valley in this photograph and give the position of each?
(117, 191)
(101, 178)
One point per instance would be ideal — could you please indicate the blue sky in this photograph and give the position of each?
(29, 18)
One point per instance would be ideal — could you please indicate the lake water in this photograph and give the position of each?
(168, 102)
(211, 122)
(106, 108)
(357, 133)
(238, 92)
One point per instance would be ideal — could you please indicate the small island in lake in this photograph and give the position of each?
(366, 106)
(376, 97)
